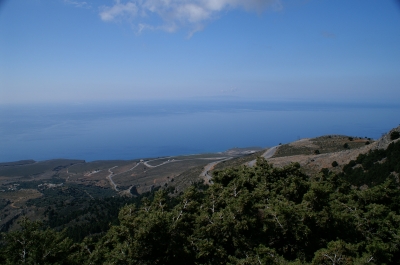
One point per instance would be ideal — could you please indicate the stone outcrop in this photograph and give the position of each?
(385, 140)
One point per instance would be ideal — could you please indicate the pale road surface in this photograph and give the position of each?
(204, 174)
(268, 154)
(146, 163)
(207, 177)
(166, 162)
(109, 177)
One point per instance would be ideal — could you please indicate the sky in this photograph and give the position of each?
(118, 50)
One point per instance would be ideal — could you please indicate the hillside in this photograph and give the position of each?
(318, 153)
(44, 189)
(67, 193)
(250, 215)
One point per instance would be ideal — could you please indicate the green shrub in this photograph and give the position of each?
(394, 135)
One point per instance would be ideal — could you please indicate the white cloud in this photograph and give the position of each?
(118, 10)
(179, 13)
(80, 4)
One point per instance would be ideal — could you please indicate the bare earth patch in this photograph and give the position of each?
(314, 163)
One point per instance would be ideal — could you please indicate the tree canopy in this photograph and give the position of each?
(250, 215)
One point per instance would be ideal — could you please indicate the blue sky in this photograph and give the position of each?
(109, 50)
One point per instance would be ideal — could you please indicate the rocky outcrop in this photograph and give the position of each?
(312, 164)
(385, 140)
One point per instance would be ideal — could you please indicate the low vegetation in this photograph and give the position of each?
(238, 161)
(250, 215)
(375, 167)
(321, 145)
(29, 168)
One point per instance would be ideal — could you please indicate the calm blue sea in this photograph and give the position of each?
(133, 130)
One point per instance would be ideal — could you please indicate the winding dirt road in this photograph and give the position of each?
(203, 175)
(146, 163)
(109, 177)
(268, 154)
(207, 177)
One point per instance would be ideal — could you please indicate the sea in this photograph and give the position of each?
(145, 129)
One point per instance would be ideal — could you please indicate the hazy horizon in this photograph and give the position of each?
(132, 78)
(73, 51)
(170, 128)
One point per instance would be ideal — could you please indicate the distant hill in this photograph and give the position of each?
(38, 189)
(253, 213)
(17, 163)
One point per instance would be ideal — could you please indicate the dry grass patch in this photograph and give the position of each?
(185, 179)
(321, 145)
(145, 176)
(18, 198)
(238, 161)
(312, 164)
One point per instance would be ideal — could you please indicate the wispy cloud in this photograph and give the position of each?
(175, 14)
(80, 4)
(119, 11)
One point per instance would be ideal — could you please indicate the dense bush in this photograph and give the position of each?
(394, 135)
(250, 215)
(373, 168)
